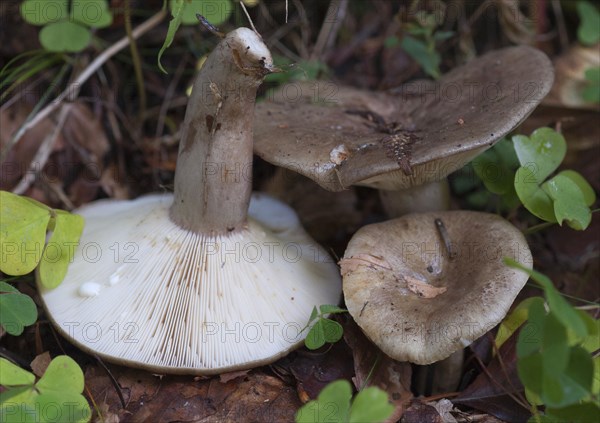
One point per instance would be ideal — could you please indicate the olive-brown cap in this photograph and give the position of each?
(426, 285)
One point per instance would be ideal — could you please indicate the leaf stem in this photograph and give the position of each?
(139, 77)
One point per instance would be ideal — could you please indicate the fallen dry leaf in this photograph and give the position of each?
(255, 397)
(226, 377)
(444, 408)
(419, 412)
(40, 363)
(351, 264)
(313, 370)
(374, 368)
(423, 289)
(493, 391)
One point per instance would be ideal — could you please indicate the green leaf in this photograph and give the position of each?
(324, 330)
(315, 338)
(313, 314)
(588, 32)
(62, 375)
(592, 342)
(567, 315)
(16, 310)
(584, 412)
(13, 375)
(429, 60)
(22, 233)
(331, 309)
(17, 405)
(586, 189)
(60, 249)
(532, 196)
(177, 8)
(56, 397)
(62, 384)
(63, 407)
(569, 202)
(591, 92)
(331, 406)
(215, 11)
(65, 36)
(564, 197)
(531, 372)
(596, 382)
(576, 381)
(554, 345)
(94, 13)
(530, 337)
(370, 405)
(514, 320)
(332, 330)
(495, 167)
(545, 149)
(41, 12)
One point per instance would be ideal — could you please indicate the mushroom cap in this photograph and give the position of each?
(413, 301)
(144, 292)
(429, 129)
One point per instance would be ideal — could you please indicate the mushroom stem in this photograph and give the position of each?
(213, 181)
(433, 196)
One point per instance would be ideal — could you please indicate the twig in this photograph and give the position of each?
(41, 156)
(113, 380)
(563, 36)
(330, 27)
(445, 238)
(512, 395)
(73, 89)
(249, 18)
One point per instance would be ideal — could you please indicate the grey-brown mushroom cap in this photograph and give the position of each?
(413, 301)
(420, 133)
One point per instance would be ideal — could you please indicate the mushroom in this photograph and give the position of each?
(425, 285)
(403, 142)
(209, 279)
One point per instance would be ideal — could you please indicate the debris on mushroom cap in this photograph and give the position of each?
(417, 139)
(415, 302)
(144, 292)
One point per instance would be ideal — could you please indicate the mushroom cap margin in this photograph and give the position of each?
(480, 288)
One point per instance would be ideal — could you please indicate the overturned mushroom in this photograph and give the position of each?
(425, 285)
(412, 137)
(212, 278)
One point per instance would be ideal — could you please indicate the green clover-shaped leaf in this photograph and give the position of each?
(370, 405)
(22, 233)
(42, 12)
(542, 152)
(60, 248)
(566, 196)
(331, 406)
(65, 36)
(92, 13)
(589, 28)
(591, 92)
(56, 397)
(16, 310)
(569, 201)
